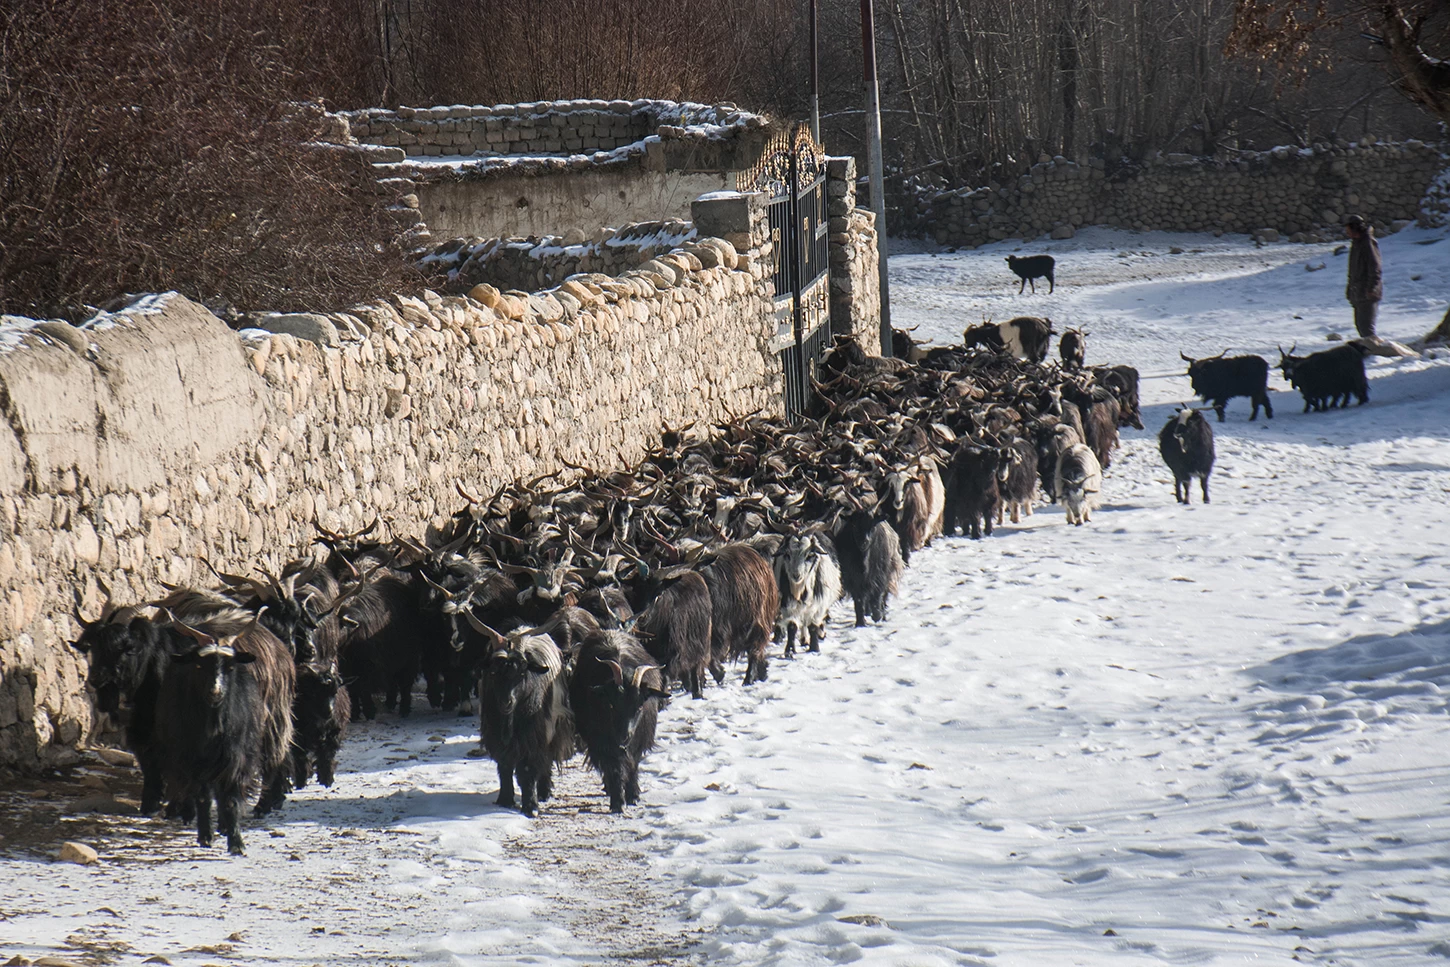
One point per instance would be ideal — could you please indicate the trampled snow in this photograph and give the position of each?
(1213, 734)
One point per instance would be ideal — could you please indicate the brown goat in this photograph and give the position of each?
(744, 603)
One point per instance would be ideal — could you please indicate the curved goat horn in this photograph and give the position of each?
(615, 668)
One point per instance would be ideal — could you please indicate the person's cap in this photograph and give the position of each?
(1355, 222)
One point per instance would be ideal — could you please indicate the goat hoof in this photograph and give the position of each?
(234, 845)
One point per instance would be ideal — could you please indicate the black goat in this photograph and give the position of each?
(1122, 382)
(380, 648)
(1032, 268)
(224, 719)
(320, 715)
(524, 718)
(744, 603)
(1186, 443)
(1219, 380)
(128, 659)
(1018, 489)
(973, 488)
(616, 693)
(1329, 378)
(869, 552)
(1071, 346)
(676, 629)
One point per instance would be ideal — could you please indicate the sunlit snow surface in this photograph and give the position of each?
(1184, 735)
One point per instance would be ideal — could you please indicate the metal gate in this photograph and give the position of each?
(792, 171)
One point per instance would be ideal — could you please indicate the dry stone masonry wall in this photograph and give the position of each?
(582, 127)
(539, 262)
(154, 437)
(552, 167)
(1297, 193)
(855, 284)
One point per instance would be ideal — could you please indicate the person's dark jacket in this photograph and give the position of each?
(1364, 270)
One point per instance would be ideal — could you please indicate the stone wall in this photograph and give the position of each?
(1299, 193)
(581, 127)
(553, 167)
(570, 204)
(148, 439)
(855, 288)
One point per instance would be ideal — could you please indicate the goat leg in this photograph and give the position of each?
(150, 785)
(203, 817)
(300, 770)
(505, 784)
(631, 784)
(614, 786)
(228, 805)
(528, 789)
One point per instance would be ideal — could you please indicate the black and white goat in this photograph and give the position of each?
(1025, 337)
(1186, 444)
(810, 582)
(1079, 481)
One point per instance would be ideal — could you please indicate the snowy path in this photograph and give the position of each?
(1213, 734)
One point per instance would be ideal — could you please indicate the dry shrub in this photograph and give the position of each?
(158, 145)
(505, 51)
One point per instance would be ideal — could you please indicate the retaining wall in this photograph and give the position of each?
(153, 437)
(1299, 193)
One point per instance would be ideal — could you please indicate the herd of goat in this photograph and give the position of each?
(567, 611)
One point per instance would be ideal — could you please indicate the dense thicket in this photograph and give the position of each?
(149, 144)
(162, 144)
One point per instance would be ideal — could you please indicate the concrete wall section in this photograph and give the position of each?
(136, 446)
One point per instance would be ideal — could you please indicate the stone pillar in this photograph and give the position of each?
(854, 281)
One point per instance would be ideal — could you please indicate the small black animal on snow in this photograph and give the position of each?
(1032, 268)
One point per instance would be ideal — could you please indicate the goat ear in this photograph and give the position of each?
(244, 658)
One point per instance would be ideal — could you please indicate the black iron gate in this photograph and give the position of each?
(793, 172)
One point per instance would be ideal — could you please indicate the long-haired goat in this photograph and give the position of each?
(871, 565)
(1186, 444)
(524, 717)
(224, 720)
(615, 693)
(810, 582)
(744, 603)
(676, 629)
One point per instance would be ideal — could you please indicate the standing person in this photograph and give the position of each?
(1365, 288)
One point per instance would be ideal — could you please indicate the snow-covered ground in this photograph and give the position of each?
(1206, 734)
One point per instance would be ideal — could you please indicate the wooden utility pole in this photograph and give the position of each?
(815, 75)
(873, 162)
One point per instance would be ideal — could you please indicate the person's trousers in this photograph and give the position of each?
(1364, 318)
